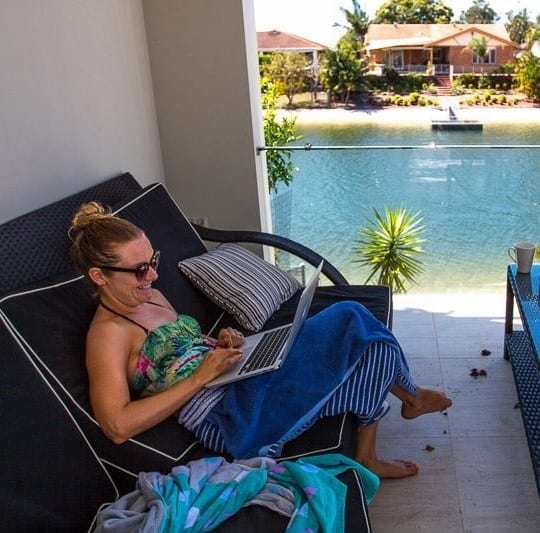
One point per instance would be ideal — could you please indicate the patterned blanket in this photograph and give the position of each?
(201, 495)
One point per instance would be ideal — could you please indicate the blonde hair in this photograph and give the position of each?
(95, 233)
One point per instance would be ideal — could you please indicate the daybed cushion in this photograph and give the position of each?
(240, 282)
(35, 246)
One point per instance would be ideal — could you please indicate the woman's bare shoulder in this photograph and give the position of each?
(109, 333)
(106, 322)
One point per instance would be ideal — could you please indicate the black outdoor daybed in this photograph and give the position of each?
(59, 469)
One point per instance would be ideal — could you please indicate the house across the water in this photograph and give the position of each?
(445, 49)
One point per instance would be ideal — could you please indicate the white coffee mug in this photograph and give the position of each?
(523, 255)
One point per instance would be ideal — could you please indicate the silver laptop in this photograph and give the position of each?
(266, 351)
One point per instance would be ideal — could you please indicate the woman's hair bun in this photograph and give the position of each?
(89, 213)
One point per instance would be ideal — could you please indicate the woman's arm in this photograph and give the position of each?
(109, 346)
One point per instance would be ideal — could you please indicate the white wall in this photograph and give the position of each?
(85, 83)
(203, 59)
(76, 101)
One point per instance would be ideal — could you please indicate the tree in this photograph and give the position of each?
(518, 26)
(277, 132)
(290, 72)
(528, 67)
(342, 68)
(479, 13)
(479, 46)
(357, 20)
(413, 12)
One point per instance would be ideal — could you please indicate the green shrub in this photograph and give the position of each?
(466, 80)
(391, 75)
(484, 81)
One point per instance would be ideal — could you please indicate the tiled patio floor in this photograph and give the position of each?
(478, 476)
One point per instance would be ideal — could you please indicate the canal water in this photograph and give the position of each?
(475, 202)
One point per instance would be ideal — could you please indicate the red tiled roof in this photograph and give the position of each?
(271, 41)
(425, 34)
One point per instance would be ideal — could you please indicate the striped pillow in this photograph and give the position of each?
(240, 282)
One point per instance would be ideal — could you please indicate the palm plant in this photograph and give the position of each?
(357, 19)
(390, 245)
(479, 46)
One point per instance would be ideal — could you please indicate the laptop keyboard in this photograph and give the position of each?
(267, 351)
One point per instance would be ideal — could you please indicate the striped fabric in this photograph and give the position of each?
(240, 282)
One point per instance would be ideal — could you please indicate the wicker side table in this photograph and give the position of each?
(522, 348)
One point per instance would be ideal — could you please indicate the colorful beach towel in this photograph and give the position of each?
(199, 496)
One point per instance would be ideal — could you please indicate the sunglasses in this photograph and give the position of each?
(141, 270)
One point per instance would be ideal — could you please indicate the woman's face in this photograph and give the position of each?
(124, 286)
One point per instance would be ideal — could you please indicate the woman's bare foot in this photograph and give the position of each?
(425, 401)
(395, 469)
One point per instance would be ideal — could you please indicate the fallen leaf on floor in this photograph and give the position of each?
(485, 352)
(429, 448)
(477, 373)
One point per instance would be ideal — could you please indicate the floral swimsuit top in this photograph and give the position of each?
(171, 352)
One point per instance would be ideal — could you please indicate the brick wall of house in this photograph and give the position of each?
(460, 57)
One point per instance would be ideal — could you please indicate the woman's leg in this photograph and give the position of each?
(422, 402)
(366, 454)
(415, 400)
(384, 369)
(364, 394)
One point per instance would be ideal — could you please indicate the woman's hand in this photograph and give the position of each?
(230, 338)
(216, 362)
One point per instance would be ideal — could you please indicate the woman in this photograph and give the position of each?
(145, 362)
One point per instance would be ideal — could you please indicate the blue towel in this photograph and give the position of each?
(258, 415)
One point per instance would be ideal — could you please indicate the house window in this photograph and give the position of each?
(489, 58)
